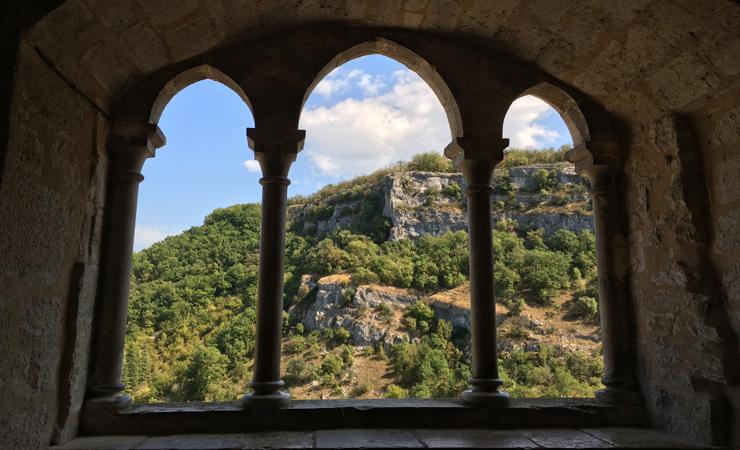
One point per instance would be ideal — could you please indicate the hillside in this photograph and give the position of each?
(376, 275)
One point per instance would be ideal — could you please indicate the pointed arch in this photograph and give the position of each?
(566, 106)
(408, 58)
(192, 76)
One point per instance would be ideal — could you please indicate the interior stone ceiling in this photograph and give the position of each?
(661, 54)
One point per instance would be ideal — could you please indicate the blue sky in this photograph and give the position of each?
(364, 115)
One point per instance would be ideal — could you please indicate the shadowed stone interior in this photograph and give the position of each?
(650, 90)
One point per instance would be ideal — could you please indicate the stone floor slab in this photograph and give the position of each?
(563, 438)
(193, 442)
(473, 438)
(279, 439)
(637, 438)
(102, 443)
(366, 438)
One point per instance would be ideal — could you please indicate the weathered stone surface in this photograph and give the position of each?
(474, 439)
(104, 443)
(279, 439)
(359, 438)
(555, 438)
(193, 442)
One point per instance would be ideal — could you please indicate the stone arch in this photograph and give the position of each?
(408, 58)
(189, 77)
(566, 106)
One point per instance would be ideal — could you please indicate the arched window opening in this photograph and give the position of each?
(191, 312)
(384, 234)
(549, 331)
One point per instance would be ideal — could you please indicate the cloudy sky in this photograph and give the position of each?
(364, 115)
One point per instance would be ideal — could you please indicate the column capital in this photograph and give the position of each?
(476, 157)
(275, 149)
(486, 148)
(273, 140)
(130, 144)
(600, 161)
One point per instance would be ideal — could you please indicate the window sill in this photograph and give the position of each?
(301, 415)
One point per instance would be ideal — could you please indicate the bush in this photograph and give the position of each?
(453, 190)
(332, 366)
(516, 308)
(364, 276)
(296, 371)
(393, 391)
(384, 310)
(431, 196)
(347, 297)
(430, 162)
(560, 199)
(360, 390)
(585, 307)
(419, 311)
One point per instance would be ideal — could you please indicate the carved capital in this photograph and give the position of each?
(275, 149)
(600, 161)
(130, 144)
(476, 157)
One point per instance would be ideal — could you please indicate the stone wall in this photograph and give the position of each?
(686, 319)
(51, 200)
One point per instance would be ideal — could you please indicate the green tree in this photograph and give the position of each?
(204, 374)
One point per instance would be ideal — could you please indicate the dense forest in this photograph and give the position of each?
(191, 325)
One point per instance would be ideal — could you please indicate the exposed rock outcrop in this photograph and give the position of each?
(430, 203)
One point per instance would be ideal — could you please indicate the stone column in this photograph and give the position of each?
(604, 171)
(476, 158)
(275, 150)
(129, 145)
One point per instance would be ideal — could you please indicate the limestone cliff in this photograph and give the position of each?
(430, 203)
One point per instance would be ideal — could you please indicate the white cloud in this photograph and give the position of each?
(520, 124)
(371, 85)
(360, 136)
(252, 165)
(146, 235)
(337, 82)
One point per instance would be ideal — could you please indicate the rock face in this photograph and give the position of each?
(411, 210)
(332, 304)
(521, 177)
(430, 203)
(551, 223)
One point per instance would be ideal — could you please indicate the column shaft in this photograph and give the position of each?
(476, 158)
(275, 150)
(618, 378)
(127, 155)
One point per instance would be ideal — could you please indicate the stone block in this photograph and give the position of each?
(637, 437)
(728, 232)
(564, 438)
(193, 442)
(366, 438)
(681, 81)
(166, 14)
(474, 438)
(191, 38)
(144, 47)
(102, 443)
(279, 439)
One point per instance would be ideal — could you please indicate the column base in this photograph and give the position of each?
(614, 396)
(266, 395)
(485, 393)
(113, 402)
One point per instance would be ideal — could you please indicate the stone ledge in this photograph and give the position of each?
(640, 438)
(305, 415)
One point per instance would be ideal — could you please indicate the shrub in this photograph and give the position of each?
(347, 297)
(360, 390)
(364, 276)
(586, 307)
(516, 308)
(393, 391)
(560, 199)
(296, 371)
(453, 190)
(419, 311)
(341, 336)
(332, 366)
(296, 344)
(431, 196)
(384, 310)
(430, 162)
